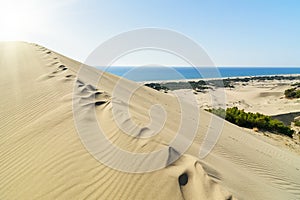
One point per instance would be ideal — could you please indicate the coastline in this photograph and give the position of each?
(254, 95)
(219, 78)
(265, 96)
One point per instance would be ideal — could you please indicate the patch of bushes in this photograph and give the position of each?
(297, 123)
(252, 120)
(292, 93)
(201, 85)
(198, 86)
(296, 84)
(157, 86)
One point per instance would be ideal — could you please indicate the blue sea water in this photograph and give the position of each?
(179, 73)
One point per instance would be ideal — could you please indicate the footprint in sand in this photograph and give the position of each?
(69, 77)
(90, 95)
(62, 67)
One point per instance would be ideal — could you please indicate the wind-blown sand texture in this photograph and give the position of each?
(42, 156)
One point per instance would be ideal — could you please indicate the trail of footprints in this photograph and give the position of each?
(57, 68)
(88, 95)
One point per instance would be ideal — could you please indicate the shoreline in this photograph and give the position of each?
(264, 93)
(218, 78)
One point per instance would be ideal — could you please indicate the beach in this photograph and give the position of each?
(43, 155)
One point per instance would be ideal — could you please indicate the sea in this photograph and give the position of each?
(143, 74)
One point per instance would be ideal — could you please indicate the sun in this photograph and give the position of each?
(17, 18)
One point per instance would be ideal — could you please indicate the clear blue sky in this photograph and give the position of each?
(233, 32)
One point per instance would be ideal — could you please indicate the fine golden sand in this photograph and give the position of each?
(42, 156)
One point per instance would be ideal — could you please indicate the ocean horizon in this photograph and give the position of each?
(157, 73)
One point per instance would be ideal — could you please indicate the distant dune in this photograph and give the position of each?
(42, 156)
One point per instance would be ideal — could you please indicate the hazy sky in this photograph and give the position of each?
(233, 32)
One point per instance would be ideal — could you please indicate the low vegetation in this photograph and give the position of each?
(198, 86)
(157, 86)
(253, 120)
(201, 85)
(296, 84)
(292, 93)
(297, 123)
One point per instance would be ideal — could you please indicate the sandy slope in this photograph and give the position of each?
(42, 156)
(266, 97)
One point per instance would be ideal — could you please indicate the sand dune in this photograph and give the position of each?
(266, 97)
(42, 156)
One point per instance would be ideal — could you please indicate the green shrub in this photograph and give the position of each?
(156, 86)
(251, 120)
(292, 93)
(297, 123)
(296, 84)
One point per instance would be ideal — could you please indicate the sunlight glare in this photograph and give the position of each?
(17, 18)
